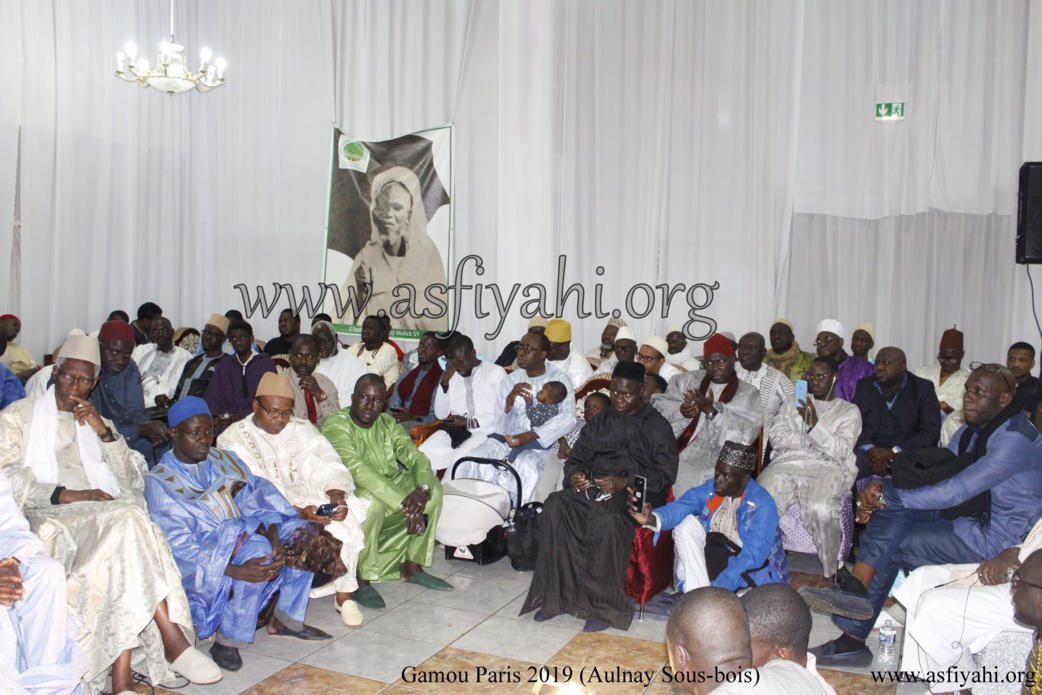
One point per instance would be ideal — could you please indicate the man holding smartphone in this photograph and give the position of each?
(585, 533)
(725, 530)
(813, 463)
(291, 454)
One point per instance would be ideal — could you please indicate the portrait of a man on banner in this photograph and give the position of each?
(389, 230)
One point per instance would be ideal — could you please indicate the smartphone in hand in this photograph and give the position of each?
(801, 392)
(327, 509)
(422, 528)
(640, 491)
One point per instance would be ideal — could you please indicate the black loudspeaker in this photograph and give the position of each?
(1029, 214)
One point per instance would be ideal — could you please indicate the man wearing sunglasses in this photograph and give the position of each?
(976, 514)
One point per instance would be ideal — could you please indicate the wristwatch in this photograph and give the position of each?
(426, 488)
(322, 397)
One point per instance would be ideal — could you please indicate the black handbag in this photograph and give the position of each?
(523, 537)
(922, 467)
(719, 551)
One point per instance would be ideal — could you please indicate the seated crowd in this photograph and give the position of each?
(157, 492)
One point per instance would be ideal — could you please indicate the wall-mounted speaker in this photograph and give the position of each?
(1029, 214)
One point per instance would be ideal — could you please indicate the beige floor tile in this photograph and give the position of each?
(301, 678)
(611, 664)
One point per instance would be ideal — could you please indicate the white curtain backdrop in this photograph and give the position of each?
(910, 224)
(665, 143)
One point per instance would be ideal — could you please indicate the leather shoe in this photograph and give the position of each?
(227, 658)
(826, 655)
(429, 581)
(368, 597)
(835, 601)
(307, 632)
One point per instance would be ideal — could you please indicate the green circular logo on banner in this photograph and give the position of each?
(353, 151)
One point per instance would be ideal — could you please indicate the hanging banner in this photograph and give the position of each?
(389, 231)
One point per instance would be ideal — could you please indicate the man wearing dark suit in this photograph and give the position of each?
(899, 411)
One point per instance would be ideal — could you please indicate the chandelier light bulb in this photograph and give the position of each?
(171, 74)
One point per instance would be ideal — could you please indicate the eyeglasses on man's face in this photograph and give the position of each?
(1016, 581)
(71, 379)
(364, 399)
(276, 414)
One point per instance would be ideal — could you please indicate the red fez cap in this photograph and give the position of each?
(8, 316)
(116, 330)
(718, 344)
(951, 339)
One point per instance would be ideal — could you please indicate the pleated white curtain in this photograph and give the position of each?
(10, 109)
(650, 143)
(910, 224)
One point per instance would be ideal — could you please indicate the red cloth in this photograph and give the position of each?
(396, 349)
(421, 402)
(116, 330)
(718, 344)
(8, 316)
(309, 401)
(732, 385)
(651, 566)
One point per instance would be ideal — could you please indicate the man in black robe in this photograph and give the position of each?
(585, 532)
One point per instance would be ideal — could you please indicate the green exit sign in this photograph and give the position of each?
(890, 110)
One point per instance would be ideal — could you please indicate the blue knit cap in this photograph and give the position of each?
(186, 408)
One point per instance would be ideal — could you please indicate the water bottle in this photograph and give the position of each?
(887, 642)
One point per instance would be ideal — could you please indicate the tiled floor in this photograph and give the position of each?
(425, 638)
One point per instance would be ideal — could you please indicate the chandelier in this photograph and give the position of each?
(171, 74)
